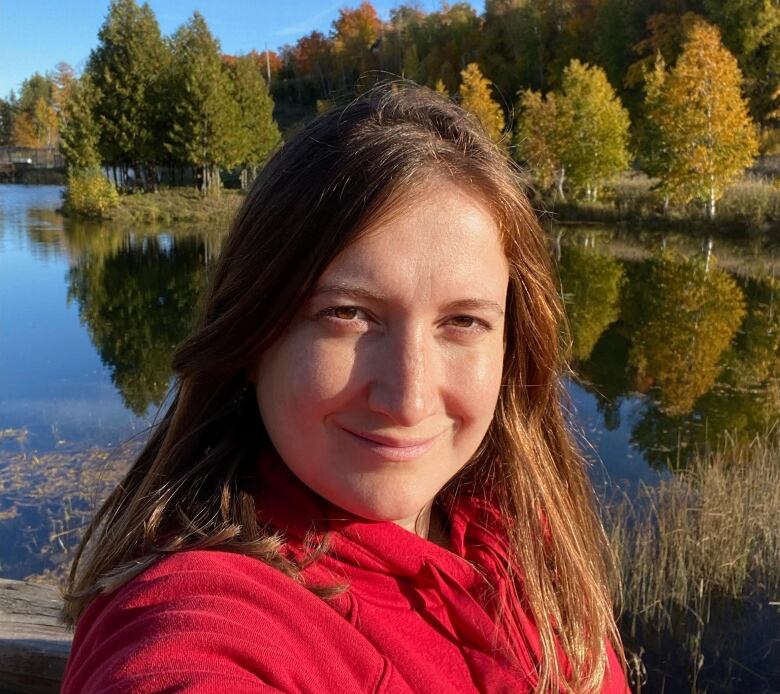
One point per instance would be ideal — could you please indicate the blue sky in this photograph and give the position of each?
(37, 34)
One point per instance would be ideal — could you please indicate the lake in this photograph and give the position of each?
(674, 345)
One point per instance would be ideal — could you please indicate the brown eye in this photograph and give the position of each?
(344, 312)
(463, 321)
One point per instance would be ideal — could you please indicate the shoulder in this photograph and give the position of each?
(202, 620)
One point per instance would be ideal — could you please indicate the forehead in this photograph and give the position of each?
(442, 239)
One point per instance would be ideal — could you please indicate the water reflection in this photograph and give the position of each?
(137, 298)
(701, 345)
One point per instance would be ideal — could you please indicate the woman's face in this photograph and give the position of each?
(385, 383)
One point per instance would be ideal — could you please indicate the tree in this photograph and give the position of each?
(78, 128)
(705, 132)
(204, 112)
(258, 133)
(475, 97)
(751, 31)
(34, 122)
(355, 32)
(6, 120)
(592, 128)
(124, 68)
(536, 138)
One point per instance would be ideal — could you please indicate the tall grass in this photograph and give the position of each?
(712, 530)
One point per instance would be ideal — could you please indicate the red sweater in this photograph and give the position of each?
(416, 618)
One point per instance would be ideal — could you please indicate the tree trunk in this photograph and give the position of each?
(559, 182)
(711, 204)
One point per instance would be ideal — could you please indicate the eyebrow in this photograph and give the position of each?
(353, 291)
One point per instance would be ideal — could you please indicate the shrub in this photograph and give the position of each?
(89, 193)
(752, 201)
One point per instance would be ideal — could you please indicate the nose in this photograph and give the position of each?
(404, 383)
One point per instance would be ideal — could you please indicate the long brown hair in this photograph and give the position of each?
(192, 484)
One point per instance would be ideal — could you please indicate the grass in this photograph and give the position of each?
(709, 531)
(176, 205)
(750, 207)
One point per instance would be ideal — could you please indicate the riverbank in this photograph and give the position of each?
(750, 208)
(173, 206)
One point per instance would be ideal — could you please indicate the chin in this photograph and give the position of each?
(385, 506)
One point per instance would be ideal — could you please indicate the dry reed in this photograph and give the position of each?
(712, 530)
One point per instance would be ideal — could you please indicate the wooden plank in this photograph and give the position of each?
(34, 646)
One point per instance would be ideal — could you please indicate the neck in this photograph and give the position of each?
(430, 524)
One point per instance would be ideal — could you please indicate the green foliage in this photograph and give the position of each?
(6, 121)
(138, 304)
(124, 68)
(78, 129)
(579, 134)
(751, 31)
(204, 112)
(89, 193)
(257, 133)
(593, 128)
(591, 284)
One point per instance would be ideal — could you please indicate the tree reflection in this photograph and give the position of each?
(137, 304)
(591, 283)
(682, 318)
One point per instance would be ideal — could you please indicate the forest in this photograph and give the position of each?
(687, 94)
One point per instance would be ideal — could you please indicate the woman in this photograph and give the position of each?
(364, 481)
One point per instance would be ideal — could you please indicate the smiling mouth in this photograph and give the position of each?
(389, 448)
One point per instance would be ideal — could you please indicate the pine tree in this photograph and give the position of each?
(475, 97)
(592, 128)
(205, 114)
(706, 134)
(124, 68)
(258, 133)
(78, 128)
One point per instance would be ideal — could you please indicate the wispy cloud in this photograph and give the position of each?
(305, 25)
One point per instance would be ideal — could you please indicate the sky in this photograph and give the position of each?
(35, 35)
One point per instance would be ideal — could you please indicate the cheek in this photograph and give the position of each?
(475, 384)
(300, 377)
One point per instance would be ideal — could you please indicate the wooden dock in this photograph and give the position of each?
(34, 646)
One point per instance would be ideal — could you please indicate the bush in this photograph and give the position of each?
(752, 201)
(89, 193)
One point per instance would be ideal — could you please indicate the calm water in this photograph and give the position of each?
(669, 353)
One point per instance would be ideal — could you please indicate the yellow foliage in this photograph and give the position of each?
(537, 136)
(687, 316)
(90, 193)
(707, 136)
(475, 97)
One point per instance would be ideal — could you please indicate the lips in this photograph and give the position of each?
(391, 448)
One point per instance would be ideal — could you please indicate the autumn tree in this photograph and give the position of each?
(257, 133)
(34, 122)
(592, 128)
(536, 138)
(475, 97)
(355, 32)
(705, 133)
